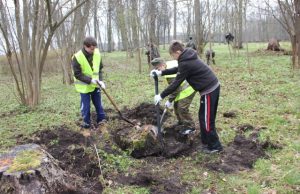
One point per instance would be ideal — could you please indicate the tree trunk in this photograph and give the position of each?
(297, 29)
(175, 20)
(152, 27)
(199, 27)
(109, 26)
(121, 24)
(240, 25)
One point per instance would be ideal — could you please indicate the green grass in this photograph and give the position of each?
(263, 90)
(25, 161)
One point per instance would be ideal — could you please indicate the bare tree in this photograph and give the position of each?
(69, 37)
(120, 13)
(290, 21)
(152, 22)
(199, 27)
(28, 34)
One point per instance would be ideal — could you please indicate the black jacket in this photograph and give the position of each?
(77, 69)
(194, 71)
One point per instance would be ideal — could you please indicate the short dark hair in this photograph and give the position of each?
(90, 41)
(176, 45)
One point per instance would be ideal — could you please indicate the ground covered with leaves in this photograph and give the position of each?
(257, 121)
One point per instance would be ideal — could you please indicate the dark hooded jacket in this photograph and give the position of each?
(196, 72)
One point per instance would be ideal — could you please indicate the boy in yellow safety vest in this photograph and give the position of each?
(182, 97)
(87, 68)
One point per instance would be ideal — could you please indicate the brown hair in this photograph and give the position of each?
(89, 41)
(176, 45)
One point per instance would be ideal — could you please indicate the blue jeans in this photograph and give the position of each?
(85, 106)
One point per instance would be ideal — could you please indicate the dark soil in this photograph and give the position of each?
(76, 155)
(145, 113)
(156, 183)
(241, 154)
(173, 144)
(245, 127)
(73, 151)
(230, 114)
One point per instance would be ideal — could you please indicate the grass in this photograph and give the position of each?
(264, 92)
(25, 161)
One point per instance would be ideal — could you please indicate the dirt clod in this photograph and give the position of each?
(240, 154)
(230, 114)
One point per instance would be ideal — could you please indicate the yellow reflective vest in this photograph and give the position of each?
(86, 69)
(187, 90)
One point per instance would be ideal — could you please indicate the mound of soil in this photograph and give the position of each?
(145, 113)
(156, 183)
(143, 145)
(74, 152)
(230, 114)
(263, 52)
(240, 154)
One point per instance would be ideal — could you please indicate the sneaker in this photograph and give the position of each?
(211, 151)
(186, 131)
(85, 125)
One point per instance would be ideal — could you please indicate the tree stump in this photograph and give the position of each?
(274, 45)
(140, 142)
(28, 169)
(144, 141)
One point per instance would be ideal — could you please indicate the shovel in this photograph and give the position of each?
(116, 107)
(157, 108)
(162, 119)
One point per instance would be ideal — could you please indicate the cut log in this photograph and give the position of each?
(29, 169)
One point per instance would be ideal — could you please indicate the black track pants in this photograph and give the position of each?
(207, 116)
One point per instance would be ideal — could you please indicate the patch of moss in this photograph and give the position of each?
(26, 160)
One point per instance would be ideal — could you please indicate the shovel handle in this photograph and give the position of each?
(115, 106)
(156, 82)
(157, 105)
(111, 100)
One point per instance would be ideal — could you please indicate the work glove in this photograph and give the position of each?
(94, 81)
(158, 73)
(157, 99)
(168, 104)
(101, 83)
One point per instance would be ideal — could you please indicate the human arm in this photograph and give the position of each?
(181, 76)
(173, 95)
(170, 71)
(78, 72)
(100, 71)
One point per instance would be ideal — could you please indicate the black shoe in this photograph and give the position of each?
(211, 151)
(186, 131)
(85, 125)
